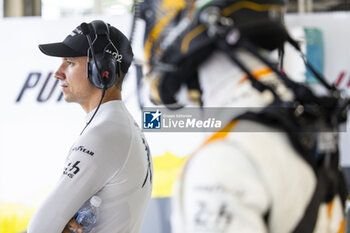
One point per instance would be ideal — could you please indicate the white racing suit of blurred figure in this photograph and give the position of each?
(273, 169)
(246, 182)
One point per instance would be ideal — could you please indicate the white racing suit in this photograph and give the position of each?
(110, 159)
(247, 182)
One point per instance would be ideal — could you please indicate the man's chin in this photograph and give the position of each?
(68, 99)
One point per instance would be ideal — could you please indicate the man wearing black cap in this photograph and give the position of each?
(110, 158)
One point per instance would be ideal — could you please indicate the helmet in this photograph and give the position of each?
(179, 37)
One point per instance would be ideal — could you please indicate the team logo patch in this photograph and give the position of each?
(152, 119)
(72, 169)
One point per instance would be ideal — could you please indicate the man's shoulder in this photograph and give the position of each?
(113, 122)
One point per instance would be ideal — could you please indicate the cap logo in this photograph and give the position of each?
(116, 55)
(76, 32)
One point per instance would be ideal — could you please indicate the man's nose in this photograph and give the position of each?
(59, 74)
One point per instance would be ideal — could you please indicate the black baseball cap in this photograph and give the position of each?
(76, 45)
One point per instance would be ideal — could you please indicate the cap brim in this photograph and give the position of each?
(59, 50)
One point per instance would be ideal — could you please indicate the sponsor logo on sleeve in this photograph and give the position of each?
(72, 169)
(212, 218)
(84, 150)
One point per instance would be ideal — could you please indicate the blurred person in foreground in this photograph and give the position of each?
(274, 167)
(110, 158)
